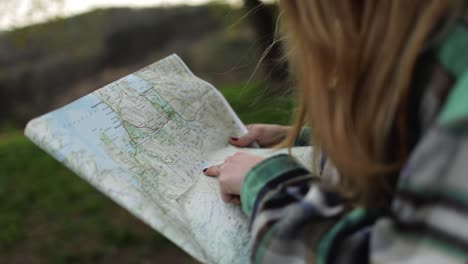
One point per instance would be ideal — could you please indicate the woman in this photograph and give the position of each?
(384, 87)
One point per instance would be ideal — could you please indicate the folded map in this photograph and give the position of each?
(143, 141)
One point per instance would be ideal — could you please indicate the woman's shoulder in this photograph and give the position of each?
(452, 55)
(444, 102)
(438, 163)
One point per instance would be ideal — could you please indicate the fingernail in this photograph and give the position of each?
(234, 139)
(204, 170)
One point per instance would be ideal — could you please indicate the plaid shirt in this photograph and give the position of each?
(295, 220)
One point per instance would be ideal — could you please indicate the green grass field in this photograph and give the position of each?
(49, 215)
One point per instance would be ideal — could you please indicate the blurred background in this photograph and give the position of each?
(55, 51)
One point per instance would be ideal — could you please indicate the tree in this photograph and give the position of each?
(263, 20)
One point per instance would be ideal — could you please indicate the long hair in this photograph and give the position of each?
(353, 61)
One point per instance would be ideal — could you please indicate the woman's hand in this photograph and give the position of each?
(266, 135)
(231, 174)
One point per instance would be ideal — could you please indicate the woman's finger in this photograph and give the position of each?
(235, 199)
(230, 198)
(243, 141)
(212, 171)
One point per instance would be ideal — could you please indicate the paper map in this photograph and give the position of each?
(143, 141)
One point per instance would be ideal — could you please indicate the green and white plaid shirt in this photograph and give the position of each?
(294, 220)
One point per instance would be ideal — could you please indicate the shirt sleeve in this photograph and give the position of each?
(303, 139)
(295, 219)
(282, 197)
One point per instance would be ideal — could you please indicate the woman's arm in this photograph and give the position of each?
(295, 220)
(290, 211)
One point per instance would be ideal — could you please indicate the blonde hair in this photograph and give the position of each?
(354, 62)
